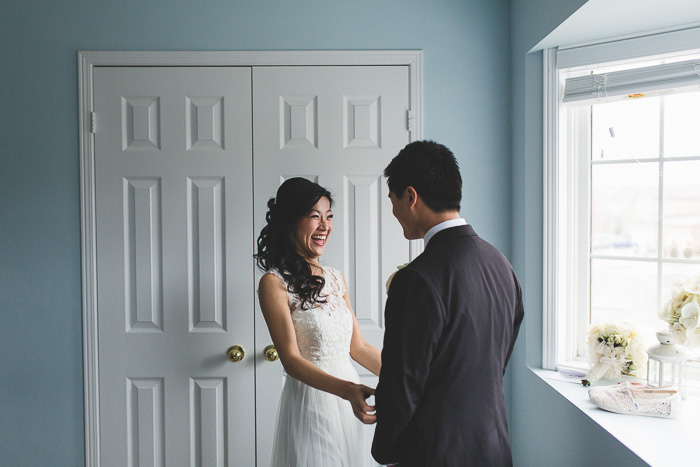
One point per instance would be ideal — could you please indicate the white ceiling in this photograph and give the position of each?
(602, 19)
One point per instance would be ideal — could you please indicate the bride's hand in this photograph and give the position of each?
(357, 394)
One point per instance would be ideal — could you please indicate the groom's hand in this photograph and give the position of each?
(357, 395)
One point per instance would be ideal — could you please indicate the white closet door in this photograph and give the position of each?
(173, 164)
(339, 126)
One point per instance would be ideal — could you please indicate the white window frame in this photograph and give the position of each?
(565, 287)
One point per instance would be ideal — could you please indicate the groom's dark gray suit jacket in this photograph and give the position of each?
(452, 317)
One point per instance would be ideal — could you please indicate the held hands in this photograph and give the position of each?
(357, 394)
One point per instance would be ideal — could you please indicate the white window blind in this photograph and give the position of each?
(582, 90)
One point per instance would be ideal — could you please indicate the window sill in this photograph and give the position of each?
(657, 441)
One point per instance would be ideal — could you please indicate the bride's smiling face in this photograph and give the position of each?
(314, 229)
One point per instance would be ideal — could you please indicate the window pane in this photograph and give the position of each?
(681, 125)
(624, 219)
(673, 273)
(626, 129)
(682, 209)
(625, 291)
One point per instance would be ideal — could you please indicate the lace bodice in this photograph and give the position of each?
(323, 333)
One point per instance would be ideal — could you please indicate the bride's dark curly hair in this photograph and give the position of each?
(277, 240)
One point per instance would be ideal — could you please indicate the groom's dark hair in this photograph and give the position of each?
(432, 170)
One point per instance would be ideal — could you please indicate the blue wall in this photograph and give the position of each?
(466, 106)
(546, 430)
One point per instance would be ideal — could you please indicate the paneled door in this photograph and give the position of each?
(339, 126)
(173, 164)
(185, 161)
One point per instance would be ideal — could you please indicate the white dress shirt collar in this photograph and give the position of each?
(442, 226)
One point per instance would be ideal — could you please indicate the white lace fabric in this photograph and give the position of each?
(316, 428)
(627, 399)
(323, 332)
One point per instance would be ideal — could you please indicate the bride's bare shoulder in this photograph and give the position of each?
(271, 282)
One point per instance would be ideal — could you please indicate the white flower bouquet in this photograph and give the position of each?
(682, 312)
(614, 349)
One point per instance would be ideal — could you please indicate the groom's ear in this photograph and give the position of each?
(412, 195)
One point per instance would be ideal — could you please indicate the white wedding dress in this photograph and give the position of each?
(316, 428)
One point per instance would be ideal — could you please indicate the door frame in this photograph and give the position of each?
(87, 61)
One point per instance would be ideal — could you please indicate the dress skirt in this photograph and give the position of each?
(318, 429)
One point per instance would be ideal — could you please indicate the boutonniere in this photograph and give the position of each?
(388, 281)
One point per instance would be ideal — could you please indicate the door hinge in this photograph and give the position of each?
(93, 122)
(409, 119)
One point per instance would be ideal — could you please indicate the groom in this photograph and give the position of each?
(452, 317)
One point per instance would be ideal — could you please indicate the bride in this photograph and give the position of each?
(307, 309)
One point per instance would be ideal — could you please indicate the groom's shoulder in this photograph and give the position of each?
(462, 247)
(430, 262)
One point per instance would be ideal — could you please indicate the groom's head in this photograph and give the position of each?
(426, 173)
(432, 170)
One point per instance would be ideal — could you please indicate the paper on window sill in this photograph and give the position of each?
(572, 376)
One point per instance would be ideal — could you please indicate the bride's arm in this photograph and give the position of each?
(363, 353)
(274, 304)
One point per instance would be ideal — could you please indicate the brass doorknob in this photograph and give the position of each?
(271, 353)
(236, 353)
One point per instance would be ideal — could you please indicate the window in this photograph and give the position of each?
(622, 195)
